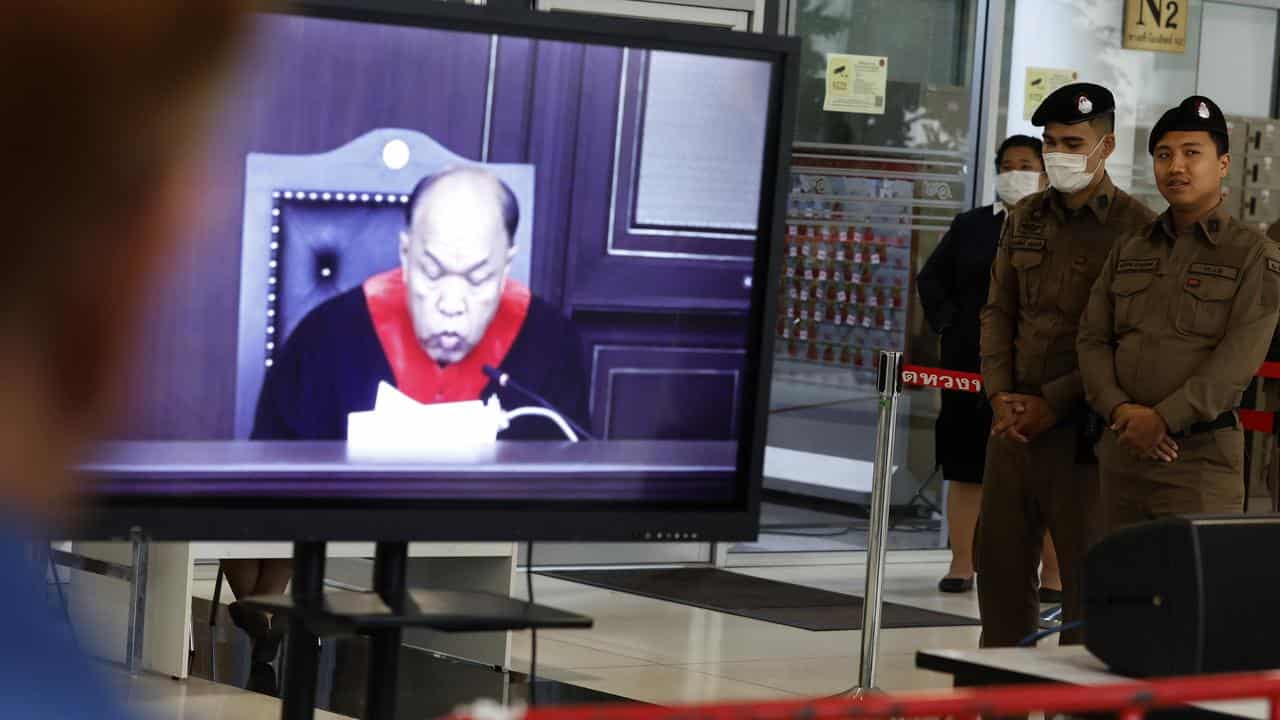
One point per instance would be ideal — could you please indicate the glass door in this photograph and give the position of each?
(871, 195)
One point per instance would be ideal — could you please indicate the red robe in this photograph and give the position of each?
(332, 362)
(417, 374)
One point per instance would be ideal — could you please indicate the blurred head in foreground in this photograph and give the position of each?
(102, 115)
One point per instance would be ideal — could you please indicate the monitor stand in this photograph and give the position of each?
(381, 615)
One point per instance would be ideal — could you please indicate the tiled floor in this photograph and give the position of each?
(659, 652)
(788, 528)
(160, 698)
(662, 652)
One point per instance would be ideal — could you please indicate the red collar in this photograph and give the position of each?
(416, 374)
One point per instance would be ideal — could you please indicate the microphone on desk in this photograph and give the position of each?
(504, 381)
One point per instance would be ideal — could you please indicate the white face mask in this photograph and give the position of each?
(1013, 185)
(1067, 171)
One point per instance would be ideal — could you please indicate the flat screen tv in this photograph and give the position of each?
(460, 273)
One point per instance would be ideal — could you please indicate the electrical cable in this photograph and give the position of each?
(550, 415)
(1035, 637)
(506, 381)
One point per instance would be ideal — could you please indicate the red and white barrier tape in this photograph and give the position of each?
(1257, 420)
(1131, 700)
(921, 376)
(1270, 370)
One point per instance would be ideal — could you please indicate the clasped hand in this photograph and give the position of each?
(1143, 432)
(1020, 417)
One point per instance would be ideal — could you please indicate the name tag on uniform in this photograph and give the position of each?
(1029, 228)
(1221, 271)
(1143, 265)
(1019, 242)
(1273, 265)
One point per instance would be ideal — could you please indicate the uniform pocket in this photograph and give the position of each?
(1027, 263)
(1205, 306)
(1075, 293)
(1230, 445)
(1130, 291)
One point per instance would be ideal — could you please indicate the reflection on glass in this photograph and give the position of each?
(928, 44)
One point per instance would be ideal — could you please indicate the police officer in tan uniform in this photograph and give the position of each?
(1051, 251)
(1177, 325)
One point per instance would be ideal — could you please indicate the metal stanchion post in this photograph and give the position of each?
(889, 383)
(137, 603)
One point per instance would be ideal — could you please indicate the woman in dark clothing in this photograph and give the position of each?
(953, 288)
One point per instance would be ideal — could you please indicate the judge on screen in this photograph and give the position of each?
(436, 328)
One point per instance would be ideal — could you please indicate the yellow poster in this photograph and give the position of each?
(1159, 25)
(1041, 82)
(856, 83)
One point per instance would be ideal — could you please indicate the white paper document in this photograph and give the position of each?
(398, 423)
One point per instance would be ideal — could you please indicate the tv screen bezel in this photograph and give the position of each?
(263, 519)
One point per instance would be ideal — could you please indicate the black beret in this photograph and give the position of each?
(1074, 103)
(1195, 113)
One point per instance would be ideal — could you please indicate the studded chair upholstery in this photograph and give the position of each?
(316, 226)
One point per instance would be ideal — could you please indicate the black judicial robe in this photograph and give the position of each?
(331, 364)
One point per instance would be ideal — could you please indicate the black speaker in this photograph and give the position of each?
(1186, 595)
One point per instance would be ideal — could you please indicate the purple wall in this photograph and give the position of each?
(555, 106)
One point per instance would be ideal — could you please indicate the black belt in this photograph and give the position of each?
(1223, 421)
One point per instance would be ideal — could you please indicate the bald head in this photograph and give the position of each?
(476, 182)
(456, 252)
